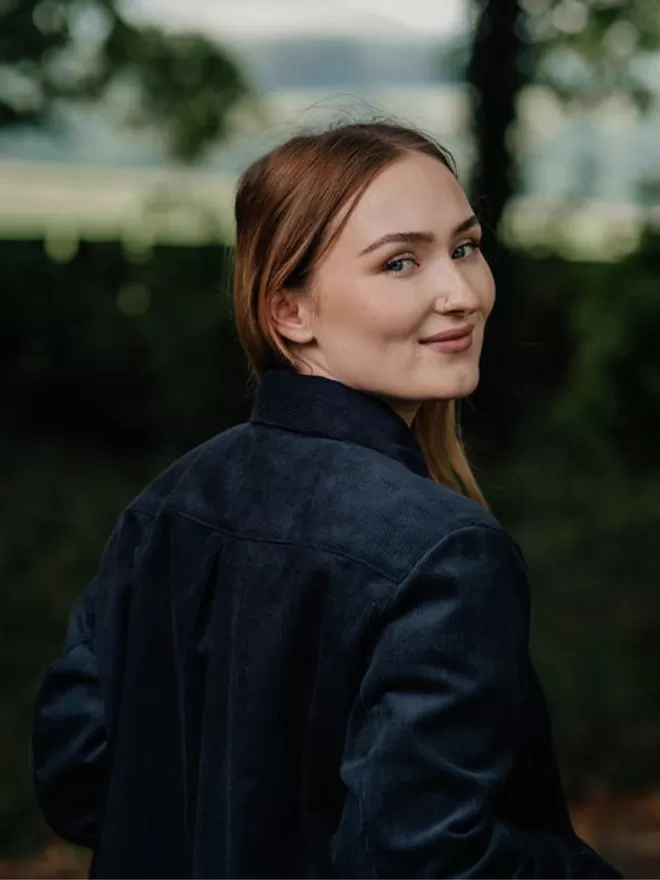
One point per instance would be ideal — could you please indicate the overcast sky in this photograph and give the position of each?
(246, 18)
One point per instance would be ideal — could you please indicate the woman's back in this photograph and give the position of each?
(241, 598)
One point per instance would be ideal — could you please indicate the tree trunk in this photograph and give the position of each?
(495, 75)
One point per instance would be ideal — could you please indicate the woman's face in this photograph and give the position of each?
(406, 266)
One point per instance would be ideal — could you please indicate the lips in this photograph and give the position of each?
(451, 342)
(458, 333)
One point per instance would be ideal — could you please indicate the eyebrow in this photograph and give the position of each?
(417, 237)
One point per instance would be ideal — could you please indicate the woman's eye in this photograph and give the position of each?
(399, 265)
(464, 250)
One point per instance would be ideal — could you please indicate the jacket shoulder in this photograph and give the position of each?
(188, 468)
(334, 496)
(411, 514)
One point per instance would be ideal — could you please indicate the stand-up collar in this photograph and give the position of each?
(326, 408)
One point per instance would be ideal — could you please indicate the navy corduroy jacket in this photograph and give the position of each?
(301, 657)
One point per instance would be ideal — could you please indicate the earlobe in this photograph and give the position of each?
(290, 317)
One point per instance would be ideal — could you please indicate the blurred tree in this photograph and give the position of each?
(495, 75)
(52, 51)
(586, 51)
(581, 482)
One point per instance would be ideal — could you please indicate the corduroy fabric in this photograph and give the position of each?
(300, 657)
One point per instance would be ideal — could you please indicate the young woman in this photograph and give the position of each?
(305, 653)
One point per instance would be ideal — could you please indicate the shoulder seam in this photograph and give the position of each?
(217, 529)
(499, 530)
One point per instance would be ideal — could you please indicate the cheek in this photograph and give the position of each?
(487, 289)
(480, 279)
(336, 300)
(370, 307)
(395, 310)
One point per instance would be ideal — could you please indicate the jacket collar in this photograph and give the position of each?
(324, 407)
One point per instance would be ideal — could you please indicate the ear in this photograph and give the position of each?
(291, 316)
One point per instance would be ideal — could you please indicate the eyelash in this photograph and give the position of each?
(474, 243)
(387, 267)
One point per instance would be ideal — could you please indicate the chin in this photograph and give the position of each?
(455, 387)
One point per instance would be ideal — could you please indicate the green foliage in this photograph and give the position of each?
(581, 492)
(588, 52)
(184, 86)
(612, 402)
(187, 88)
(587, 530)
(153, 339)
(30, 43)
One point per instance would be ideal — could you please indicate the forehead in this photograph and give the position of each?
(415, 193)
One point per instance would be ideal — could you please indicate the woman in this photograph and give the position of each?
(305, 653)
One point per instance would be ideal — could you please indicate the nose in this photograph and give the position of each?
(455, 294)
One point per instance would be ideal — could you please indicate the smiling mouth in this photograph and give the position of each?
(451, 345)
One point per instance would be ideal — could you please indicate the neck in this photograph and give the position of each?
(407, 410)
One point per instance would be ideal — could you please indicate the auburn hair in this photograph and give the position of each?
(285, 207)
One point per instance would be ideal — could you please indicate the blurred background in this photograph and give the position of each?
(123, 128)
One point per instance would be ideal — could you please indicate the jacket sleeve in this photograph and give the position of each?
(68, 734)
(69, 743)
(432, 736)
